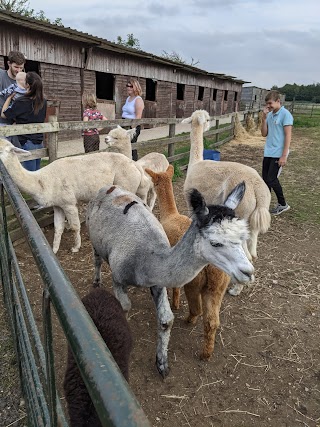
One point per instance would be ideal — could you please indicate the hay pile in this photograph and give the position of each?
(240, 133)
(250, 124)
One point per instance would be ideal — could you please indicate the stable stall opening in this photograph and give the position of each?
(200, 93)
(104, 86)
(151, 89)
(236, 96)
(225, 95)
(180, 91)
(214, 95)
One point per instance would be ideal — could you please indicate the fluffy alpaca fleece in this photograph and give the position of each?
(216, 179)
(205, 292)
(66, 181)
(120, 140)
(109, 318)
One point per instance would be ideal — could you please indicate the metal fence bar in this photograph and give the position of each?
(114, 402)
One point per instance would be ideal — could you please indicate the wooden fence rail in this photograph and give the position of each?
(53, 127)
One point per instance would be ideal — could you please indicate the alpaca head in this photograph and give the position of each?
(7, 149)
(161, 178)
(199, 118)
(120, 136)
(222, 234)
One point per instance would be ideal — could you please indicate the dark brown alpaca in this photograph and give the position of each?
(109, 318)
(205, 292)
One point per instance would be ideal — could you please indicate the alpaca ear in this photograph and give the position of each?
(20, 151)
(152, 174)
(198, 204)
(131, 132)
(170, 171)
(119, 127)
(236, 195)
(187, 120)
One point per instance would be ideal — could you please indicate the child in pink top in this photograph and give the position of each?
(91, 139)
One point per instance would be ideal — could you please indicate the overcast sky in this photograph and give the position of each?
(264, 42)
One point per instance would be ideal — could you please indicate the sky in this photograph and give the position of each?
(267, 43)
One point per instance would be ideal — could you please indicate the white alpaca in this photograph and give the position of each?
(216, 179)
(120, 140)
(66, 181)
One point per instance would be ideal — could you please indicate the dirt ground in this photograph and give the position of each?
(265, 369)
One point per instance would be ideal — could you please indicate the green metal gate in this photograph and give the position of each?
(113, 400)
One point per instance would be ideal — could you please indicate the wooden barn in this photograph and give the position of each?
(254, 97)
(71, 62)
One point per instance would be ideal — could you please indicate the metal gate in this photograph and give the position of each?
(113, 400)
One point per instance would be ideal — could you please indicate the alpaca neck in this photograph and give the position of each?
(196, 141)
(167, 203)
(178, 265)
(126, 150)
(27, 182)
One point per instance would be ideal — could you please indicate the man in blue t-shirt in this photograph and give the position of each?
(277, 124)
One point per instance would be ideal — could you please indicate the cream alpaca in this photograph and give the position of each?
(120, 140)
(216, 179)
(66, 181)
(205, 292)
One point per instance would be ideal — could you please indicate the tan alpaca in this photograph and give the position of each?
(205, 292)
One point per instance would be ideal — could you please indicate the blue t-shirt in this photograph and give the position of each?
(275, 138)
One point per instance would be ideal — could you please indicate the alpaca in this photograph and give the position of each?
(207, 289)
(66, 181)
(215, 180)
(109, 318)
(119, 139)
(128, 236)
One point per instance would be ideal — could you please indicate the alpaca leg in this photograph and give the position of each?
(246, 250)
(212, 295)
(235, 289)
(175, 298)
(252, 244)
(153, 197)
(122, 296)
(165, 322)
(192, 291)
(97, 269)
(58, 220)
(72, 215)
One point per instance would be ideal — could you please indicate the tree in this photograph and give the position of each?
(131, 41)
(176, 57)
(22, 7)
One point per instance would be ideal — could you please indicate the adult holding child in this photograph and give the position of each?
(16, 62)
(29, 108)
(133, 107)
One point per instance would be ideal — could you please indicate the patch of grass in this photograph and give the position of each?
(305, 121)
(301, 179)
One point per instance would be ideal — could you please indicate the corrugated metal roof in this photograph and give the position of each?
(88, 39)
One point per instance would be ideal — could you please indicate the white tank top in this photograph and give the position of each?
(128, 110)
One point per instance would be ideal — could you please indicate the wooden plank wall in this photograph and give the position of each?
(63, 84)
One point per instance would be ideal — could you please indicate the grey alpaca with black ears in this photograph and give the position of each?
(128, 236)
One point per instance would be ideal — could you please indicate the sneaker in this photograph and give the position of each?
(277, 210)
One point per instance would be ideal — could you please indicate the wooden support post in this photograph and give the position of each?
(172, 132)
(233, 118)
(53, 141)
(217, 127)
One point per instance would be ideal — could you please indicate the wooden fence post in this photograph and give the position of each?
(172, 132)
(53, 141)
(233, 118)
(217, 127)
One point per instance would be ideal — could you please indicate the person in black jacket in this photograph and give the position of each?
(30, 108)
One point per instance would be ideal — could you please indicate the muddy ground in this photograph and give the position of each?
(265, 369)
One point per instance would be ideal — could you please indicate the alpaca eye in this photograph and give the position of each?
(216, 245)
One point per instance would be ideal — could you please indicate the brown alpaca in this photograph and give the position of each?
(205, 292)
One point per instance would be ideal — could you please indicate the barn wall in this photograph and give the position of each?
(63, 84)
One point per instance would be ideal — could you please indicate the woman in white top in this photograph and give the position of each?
(133, 107)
